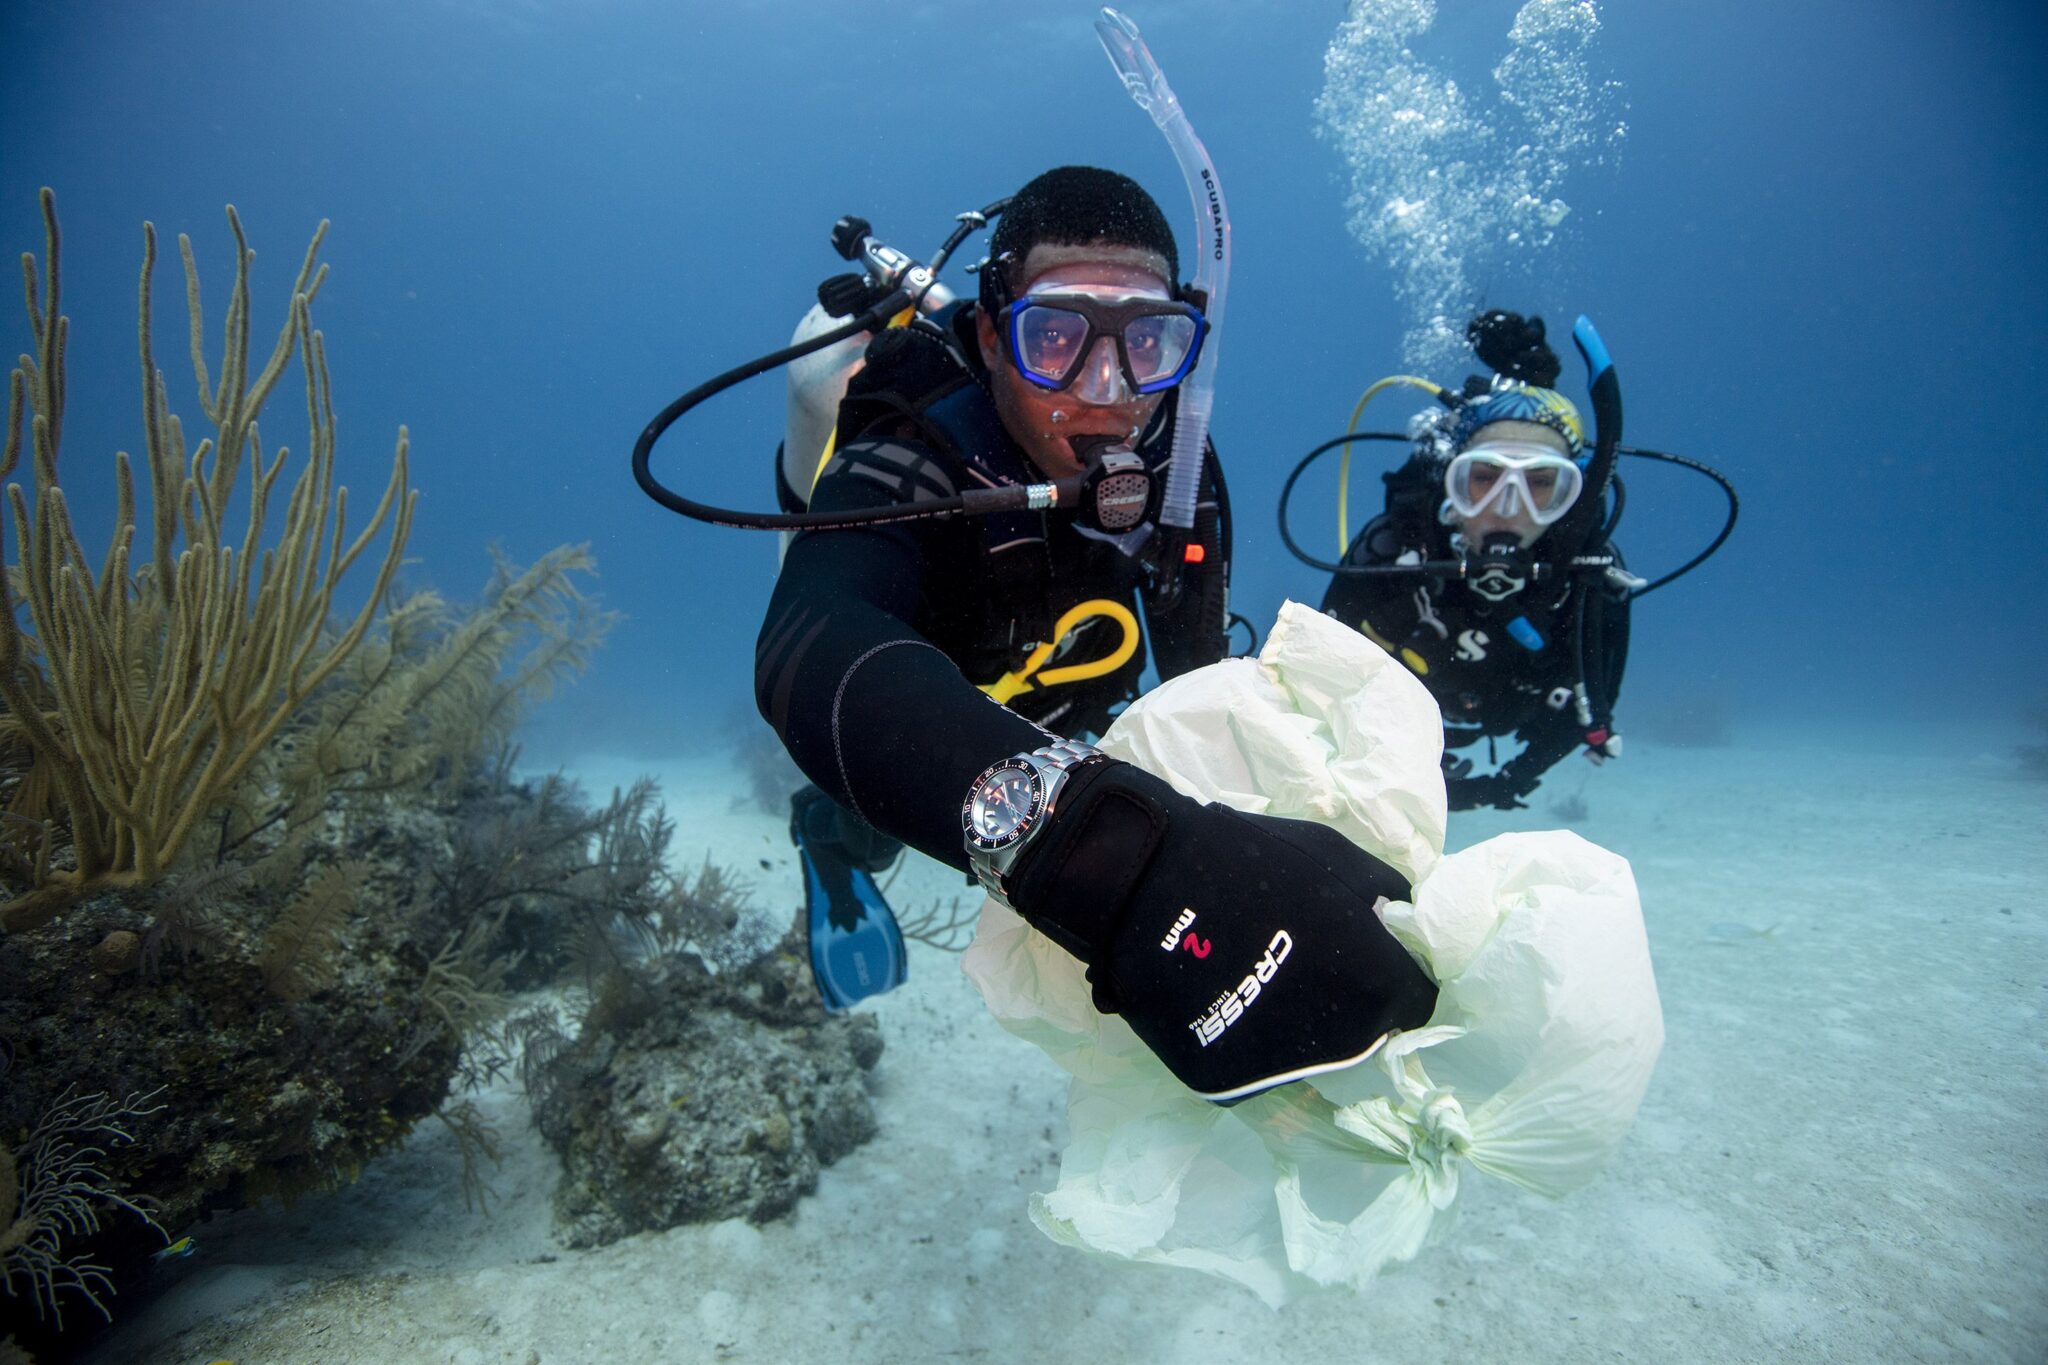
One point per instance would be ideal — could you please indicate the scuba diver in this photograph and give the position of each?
(960, 609)
(1492, 573)
(1069, 356)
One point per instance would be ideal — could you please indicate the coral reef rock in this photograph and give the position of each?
(717, 1097)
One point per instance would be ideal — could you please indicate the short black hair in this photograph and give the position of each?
(1073, 206)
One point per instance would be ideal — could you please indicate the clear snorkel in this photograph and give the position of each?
(1147, 86)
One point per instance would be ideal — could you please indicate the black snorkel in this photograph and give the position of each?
(1595, 562)
(1575, 529)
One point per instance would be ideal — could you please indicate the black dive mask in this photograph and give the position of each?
(1499, 568)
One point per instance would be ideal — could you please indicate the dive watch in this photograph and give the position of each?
(1008, 804)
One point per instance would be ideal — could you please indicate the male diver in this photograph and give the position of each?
(1517, 645)
(937, 677)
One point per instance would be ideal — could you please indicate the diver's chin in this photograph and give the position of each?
(1087, 447)
(1054, 458)
(1064, 453)
(1470, 536)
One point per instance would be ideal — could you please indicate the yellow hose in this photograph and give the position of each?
(1344, 459)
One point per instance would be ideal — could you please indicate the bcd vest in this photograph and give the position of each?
(917, 386)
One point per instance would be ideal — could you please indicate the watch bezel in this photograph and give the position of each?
(987, 843)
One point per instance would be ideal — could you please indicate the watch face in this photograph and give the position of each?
(1002, 803)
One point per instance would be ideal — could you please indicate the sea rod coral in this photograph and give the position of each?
(139, 695)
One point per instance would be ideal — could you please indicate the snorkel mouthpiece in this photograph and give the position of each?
(1146, 84)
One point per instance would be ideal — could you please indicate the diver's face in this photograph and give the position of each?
(1045, 421)
(1522, 525)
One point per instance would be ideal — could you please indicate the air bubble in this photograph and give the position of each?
(1442, 191)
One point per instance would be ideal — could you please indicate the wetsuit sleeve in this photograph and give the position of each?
(870, 709)
(1557, 733)
(1544, 742)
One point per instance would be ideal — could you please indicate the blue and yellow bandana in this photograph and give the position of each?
(1513, 401)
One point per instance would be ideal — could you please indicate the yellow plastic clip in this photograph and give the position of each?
(1028, 678)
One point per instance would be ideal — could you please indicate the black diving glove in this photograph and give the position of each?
(1494, 789)
(1243, 949)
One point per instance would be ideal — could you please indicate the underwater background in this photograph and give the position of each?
(1811, 233)
(1815, 253)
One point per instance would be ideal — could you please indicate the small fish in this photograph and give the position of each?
(1735, 931)
(177, 1251)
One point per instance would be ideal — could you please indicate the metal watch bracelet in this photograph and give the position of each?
(1057, 758)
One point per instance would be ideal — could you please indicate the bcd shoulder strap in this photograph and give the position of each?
(917, 385)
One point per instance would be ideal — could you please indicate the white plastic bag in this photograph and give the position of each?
(1546, 1029)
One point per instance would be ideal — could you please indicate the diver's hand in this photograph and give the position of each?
(1494, 789)
(1243, 949)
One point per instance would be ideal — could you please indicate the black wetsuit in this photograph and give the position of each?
(1496, 669)
(877, 639)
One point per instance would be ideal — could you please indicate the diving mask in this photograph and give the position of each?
(1512, 480)
(1107, 346)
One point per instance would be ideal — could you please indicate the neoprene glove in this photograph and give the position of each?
(1494, 789)
(1242, 949)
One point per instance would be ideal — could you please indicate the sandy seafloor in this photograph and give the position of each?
(1841, 1156)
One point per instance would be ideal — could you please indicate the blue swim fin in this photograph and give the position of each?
(856, 949)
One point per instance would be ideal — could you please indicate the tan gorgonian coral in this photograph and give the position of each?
(137, 700)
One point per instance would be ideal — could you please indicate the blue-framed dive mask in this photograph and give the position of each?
(1106, 349)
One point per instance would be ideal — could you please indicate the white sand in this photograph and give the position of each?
(1842, 1156)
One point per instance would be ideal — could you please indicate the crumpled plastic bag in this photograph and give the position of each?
(1546, 1029)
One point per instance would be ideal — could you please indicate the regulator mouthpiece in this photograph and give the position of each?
(1118, 487)
(1501, 568)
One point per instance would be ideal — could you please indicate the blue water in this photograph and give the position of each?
(1817, 255)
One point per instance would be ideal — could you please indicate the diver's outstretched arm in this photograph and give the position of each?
(871, 710)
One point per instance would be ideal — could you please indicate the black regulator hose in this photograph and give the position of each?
(1436, 568)
(974, 501)
(1450, 568)
(1727, 527)
(874, 319)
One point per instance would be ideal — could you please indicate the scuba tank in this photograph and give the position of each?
(816, 384)
(817, 379)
